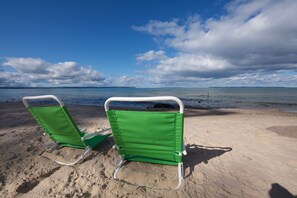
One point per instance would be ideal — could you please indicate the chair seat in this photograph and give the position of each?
(94, 141)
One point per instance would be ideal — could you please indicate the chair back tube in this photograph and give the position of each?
(145, 99)
(40, 98)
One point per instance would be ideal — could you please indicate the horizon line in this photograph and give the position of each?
(134, 87)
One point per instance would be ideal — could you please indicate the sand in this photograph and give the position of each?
(231, 153)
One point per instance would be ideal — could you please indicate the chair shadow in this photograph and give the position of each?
(105, 146)
(277, 191)
(197, 154)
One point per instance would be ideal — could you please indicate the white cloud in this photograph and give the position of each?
(14, 79)
(161, 28)
(150, 55)
(191, 65)
(266, 79)
(132, 81)
(248, 79)
(254, 36)
(37, 72)
(27, 65)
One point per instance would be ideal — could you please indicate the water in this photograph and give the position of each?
(280, 98)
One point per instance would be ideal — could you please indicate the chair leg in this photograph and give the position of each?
(180, 174)
(81, 158)
(118, 166)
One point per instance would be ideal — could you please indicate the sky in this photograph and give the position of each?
(157, 43)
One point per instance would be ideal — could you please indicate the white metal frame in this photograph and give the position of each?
(149, 99)
(40, 98)
(80, 159)
(145, 99)
(86, 150)
(119, 163)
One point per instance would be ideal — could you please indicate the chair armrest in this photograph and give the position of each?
(94, 134)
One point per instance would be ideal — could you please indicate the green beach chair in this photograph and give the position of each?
(147, 136)
(61, 128)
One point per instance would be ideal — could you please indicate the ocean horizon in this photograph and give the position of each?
(283, 98)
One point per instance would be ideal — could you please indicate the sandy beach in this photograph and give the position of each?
(231, 153)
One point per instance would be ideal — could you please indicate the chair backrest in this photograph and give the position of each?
(56, 122)
(146, 136)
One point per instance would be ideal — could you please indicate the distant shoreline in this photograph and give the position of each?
(59, 87)
(141, 87)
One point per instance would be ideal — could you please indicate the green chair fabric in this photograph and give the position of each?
(60, 127)
(62, 130)
(154, 137)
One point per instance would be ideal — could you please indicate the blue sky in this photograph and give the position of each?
(148, 43)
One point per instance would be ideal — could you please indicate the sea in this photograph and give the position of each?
(201, 98)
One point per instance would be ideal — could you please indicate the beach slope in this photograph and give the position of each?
(231, 153)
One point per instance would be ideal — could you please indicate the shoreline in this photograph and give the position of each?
(186, 107)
